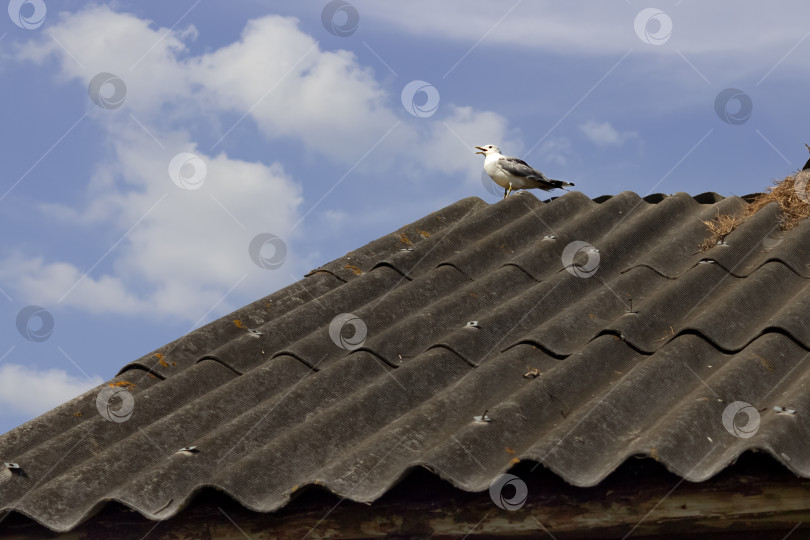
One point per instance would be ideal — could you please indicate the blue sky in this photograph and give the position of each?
(287, 126)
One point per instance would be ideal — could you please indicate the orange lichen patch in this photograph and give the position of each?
(764, 362)
(126, 384)
(77, 414)
(654, 454)
(353, 268)
(161, 361)
(514, 461)
(424, 234)
(510, 450)
(152, 375)
(405, 240)
(792, 194)
(240, 324)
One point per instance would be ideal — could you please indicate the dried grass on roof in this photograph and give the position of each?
(792, 194)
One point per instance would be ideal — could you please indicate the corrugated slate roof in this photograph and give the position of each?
(631, 342)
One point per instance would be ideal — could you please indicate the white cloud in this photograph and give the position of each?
(275, 74)
(324, 98)
(739, 34)
(184, 249)
(334, 218)
(555, 150)
(529, 25)
(605, 134)
(452, 141)
(180, 251)
(31, 392)
(45, 283)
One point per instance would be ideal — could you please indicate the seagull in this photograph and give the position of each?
(512, 173)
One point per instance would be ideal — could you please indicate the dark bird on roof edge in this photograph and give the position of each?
(806, 165)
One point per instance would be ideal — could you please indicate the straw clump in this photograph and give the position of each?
(792, 194)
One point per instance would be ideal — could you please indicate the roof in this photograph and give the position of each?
(629, 343)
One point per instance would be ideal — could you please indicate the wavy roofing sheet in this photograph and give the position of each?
(631, 342)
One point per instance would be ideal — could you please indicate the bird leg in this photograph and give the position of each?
(509, 191)
(505, 192)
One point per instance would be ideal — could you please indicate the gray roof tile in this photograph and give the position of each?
(641, 358)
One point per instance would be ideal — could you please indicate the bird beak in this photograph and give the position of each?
(482, 150)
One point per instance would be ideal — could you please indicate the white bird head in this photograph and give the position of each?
(488, 149)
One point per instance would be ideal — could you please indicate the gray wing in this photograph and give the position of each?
(518, 167)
